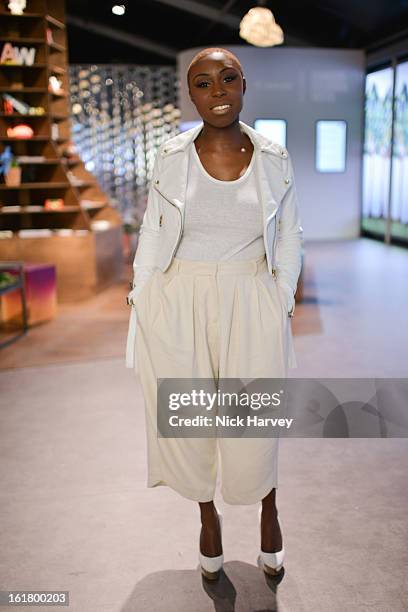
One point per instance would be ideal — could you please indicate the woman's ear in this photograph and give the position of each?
(243, 85)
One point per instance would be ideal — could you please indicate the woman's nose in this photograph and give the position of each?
(217, 89)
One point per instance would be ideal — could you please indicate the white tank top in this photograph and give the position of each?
(223, 219)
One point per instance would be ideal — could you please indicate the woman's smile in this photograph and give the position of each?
(221, 109)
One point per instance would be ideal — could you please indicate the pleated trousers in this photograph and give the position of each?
(215, 320)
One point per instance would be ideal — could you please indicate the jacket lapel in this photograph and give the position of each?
(174, 172)
(268, 168)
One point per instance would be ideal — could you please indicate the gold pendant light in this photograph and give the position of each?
(258, 27)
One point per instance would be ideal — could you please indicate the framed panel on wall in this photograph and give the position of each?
(330, 145)
(274, 129)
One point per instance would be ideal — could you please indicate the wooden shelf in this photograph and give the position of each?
(83, 184)
(21, 210)
(23, 16)
(44, 185)
(55, 22)
(95, 206)
(87, 259)
(54, 116)
(23, 39)
(25, 66)
(23, 89)
(21, 116)
(45, 162)
(57, 69)
(33, 138)
(71, 162)
(63, 94)
(56, 46)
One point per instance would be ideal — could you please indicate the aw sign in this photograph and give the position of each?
(18, 56)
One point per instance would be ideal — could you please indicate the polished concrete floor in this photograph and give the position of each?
(75, 511)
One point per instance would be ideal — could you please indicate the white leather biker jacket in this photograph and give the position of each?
(163, 220)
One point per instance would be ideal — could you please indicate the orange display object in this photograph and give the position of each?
(20, 131)
(54, 203)
(41, 295)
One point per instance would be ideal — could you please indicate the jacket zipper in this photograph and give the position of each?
(180, 233)
(269, 219)
(181, 222)
(275, 239)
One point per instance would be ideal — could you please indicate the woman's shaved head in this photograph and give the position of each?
(214, 52)
(213, 73)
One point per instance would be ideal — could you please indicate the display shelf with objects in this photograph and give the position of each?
(52, 209)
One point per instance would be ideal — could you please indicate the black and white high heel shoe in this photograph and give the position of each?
(272, 563)
(211, 566)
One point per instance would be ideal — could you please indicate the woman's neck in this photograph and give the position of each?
(221, 140)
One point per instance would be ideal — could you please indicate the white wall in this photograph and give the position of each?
(302, 85)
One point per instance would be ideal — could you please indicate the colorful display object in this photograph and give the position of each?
(17, 7)
(18, 56)
(55, 85)
(54, 203)
(22, 131)
(41, 295)
(11, 104)
(50, 38)
(5, 160)
(7, 107)
(13, 176)
(20, 107)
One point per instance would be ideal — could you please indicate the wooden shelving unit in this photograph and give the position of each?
(85, 240)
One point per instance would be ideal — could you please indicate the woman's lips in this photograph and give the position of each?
(221, 109)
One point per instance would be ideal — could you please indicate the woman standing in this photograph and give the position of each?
(215, 275)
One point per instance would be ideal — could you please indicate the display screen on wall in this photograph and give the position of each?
(274, 129)
(331, 145)
(377, 149)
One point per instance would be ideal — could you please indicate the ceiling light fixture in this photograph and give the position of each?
(118, 9)
(258, 27)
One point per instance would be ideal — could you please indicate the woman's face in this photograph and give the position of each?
(216, 81)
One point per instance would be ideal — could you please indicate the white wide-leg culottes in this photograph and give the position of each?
(211, 320)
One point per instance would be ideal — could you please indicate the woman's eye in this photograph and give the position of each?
(203, 83)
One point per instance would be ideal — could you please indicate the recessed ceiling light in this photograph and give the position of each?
(118, 9)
